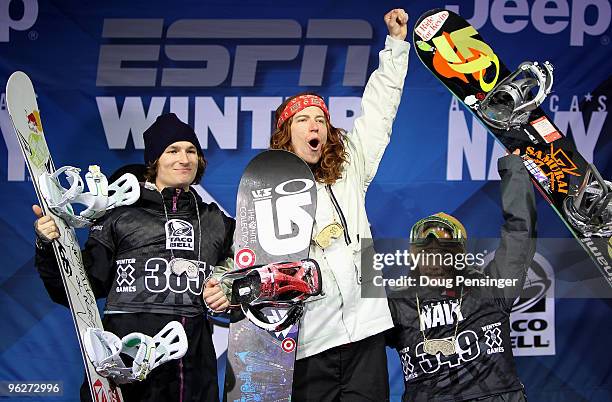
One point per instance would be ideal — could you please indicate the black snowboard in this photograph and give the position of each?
(467, 65)
(275, 211)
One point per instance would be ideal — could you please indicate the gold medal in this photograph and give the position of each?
(332, 231)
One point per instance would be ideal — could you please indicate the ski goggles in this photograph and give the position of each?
(442, 227)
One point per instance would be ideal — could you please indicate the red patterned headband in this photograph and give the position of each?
(300, 103)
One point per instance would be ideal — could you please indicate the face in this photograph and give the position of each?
(177, 166)
(309, 134)
(435, 262)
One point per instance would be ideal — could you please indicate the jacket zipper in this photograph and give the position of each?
(347, 238)
(181, 374)
(175, 199)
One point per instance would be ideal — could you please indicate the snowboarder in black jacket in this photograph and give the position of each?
(453, 340)
(129, 257)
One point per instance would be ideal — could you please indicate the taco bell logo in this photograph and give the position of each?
(532, 321)
(179, 235)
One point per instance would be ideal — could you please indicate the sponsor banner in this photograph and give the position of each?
(532, 321)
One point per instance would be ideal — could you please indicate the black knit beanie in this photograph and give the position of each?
(167, 130)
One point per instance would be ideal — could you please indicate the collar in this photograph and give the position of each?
(175, 198)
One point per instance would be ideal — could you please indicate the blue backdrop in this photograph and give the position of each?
(104, 70)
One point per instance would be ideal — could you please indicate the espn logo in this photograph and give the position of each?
(216, 58)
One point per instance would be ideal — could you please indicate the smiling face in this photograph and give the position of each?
(309, 134)
(177, 166)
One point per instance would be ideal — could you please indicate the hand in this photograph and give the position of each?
(214, 297)
(515, 152)
(45, 225)
(397, 23)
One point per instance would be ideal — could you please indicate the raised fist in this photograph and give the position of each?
(397, 23)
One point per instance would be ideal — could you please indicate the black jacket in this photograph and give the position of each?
(483, 364)
(129, 249)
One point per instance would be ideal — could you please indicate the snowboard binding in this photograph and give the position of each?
(510, 103)
(283, 285)
(100, 198)
(589, 210)
(104, 350)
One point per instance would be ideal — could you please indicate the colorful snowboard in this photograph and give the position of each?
(25, 115)
(275, 212)
(466, 64)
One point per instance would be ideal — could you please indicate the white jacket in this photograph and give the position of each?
(340, 315)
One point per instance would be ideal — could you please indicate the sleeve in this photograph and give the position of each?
(48, 270)
(518, 234)
(95, 255)
(381, 97)
(392, 334)
(226, 262)
(98, 256)
(99, 253)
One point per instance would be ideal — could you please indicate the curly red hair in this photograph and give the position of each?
(329, 168)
